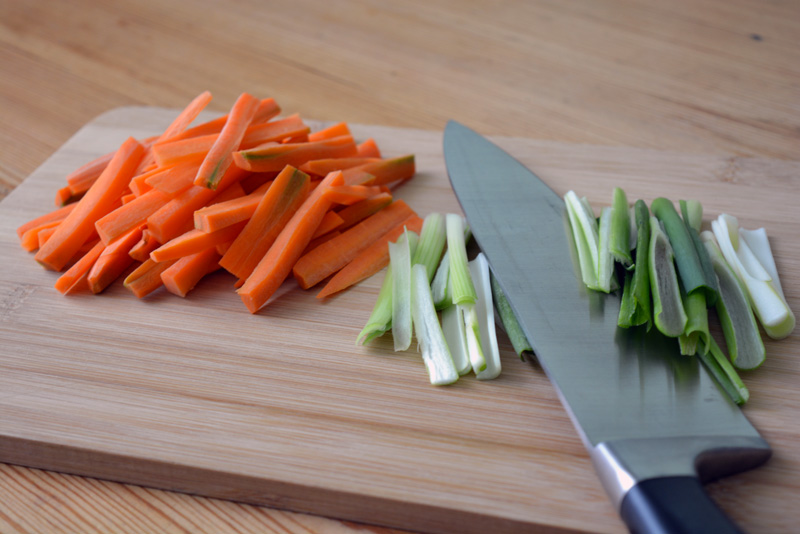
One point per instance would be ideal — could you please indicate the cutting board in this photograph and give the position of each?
(282, 408)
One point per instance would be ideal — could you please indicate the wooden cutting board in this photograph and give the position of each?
(282, 408)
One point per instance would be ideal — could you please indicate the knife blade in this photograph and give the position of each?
(655, 424)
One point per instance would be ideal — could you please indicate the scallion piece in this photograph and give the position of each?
(605, 260)
(745, 346)
(440, 286)
(692, 212)
(509, 320)
(484, 311)
(695, 333)
(431, 243)
(724, 373)
(456, 336)
(620, 243)
(764, 293)
(693, 277)
(668, 313)
(635, 308)
(434, 349)
(585, 236)
(463, 291)
(400, 260)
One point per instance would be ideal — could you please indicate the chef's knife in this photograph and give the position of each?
(655, 423)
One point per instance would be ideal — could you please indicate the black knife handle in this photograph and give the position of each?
(673, 505)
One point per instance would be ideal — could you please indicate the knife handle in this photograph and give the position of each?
(673, 505)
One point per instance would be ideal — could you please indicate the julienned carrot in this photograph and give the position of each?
(183, 275)
(321, 167)
(219, 157)
(222, 214)
(138, 184)
(101, 198)
(361, 210)
(131, 215)
(370, 260)
(30, 239)
(369, 149)
(56, 215)
(65, 196)
(332, 255)
(89, 172)
(146, 278)
(175, 216)
(43, 235)
(317, 241)
(147, 243)
(183, 149)
(385, 171)
(194, 241)
(176, 178)
(253, 181)
(75, 276)
(286, 194)
(258, 134)
(350, 194)
(331, 221)
(277, 264)
(275, 156)
(334, 130)
(113, 261)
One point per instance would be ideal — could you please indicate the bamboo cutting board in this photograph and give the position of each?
(282, 408)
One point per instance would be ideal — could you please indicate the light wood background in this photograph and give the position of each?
(702, 76)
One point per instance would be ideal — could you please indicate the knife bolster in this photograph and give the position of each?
(623, 464)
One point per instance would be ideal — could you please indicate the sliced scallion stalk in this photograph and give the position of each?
(440, 287)
(695, 333)
(456, 336)
(434, 349)
(758, 242)
(605, 261)
(585, 236)
(484, 310)
(509, 320)
(668, 313)
(472, 334)
(745, 346)
(431, 243)
(463, 291)
(400, 260)
(767, 300)
(724, 373)
(620, 244)
(693, 277)
(635, 308)
(692, 212)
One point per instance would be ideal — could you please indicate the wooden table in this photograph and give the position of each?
(705, 76)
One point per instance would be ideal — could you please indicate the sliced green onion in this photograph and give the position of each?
(472, 334)
(605, 261)
(456, 336)
(635, 308)
(724, 373)
(693, 277)
(668, 313)
(400, 260)
(620, 244)
(745, 346)
(695, 333)
(463, 291)
(692, 212)
(509, 320)
(431, 243)
(585, 236)
(484, 310)
(434, 349)
(758, 242)
(764, 293)
(440, 287)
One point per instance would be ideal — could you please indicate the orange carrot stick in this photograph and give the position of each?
(113, 261)
(219, 157)
(331, 221)
(45, 234)
(182, 149)
(385, 171)
(30, 240)
(371, 260)
(320, 239)
(183, 275)
(369, 149)
(335, 130)
(101, 198)
(56, 215)
(258, 134)
(75, 277)
(65, 196)
(275, 156)
(222, 214)
(146, 278)
(176, 178)
(277, 264)
(131, 215)
(321, 167)
(141, 251)
(89, 172)
(286, 194)
(350, 194)
(332, 255)
(195, 241)
(361, 210)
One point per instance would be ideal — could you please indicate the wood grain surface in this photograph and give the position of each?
(701, 77)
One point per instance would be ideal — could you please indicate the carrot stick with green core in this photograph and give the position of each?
(74, 278)
(277, 264)
(101, 198)
(283, 198)
(113, 261)
(183, 275)
(275, 156)
(331, 256)
(131, 215)
(371, 260)
(219, 157)
(146, 278)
